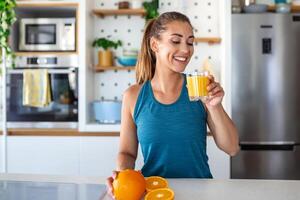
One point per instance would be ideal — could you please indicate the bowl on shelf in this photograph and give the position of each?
(107, 111)
(283, 8)
(127, 61)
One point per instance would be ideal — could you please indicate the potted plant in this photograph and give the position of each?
(151, 9)
(7, 18)
(105, 57)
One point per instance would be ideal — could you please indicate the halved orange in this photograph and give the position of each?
(160, 194)
(155, 182)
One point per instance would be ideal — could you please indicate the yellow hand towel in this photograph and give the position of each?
(36, 88)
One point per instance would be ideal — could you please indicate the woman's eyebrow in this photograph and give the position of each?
(179, 35)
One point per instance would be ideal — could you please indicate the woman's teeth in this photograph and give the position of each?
(182, 59)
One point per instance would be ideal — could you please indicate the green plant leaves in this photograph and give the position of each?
(106, 43)
(7, 18)
(151, 9)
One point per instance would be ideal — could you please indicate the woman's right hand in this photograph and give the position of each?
(109, 183)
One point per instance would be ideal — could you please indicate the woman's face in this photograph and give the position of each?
(175, 46)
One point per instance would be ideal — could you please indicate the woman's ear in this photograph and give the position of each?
(154, 44)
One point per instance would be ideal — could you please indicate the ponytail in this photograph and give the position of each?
(145, 67)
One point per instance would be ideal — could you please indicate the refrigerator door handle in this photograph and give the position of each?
(267, 146)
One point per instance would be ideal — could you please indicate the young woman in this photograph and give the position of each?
(158, 115)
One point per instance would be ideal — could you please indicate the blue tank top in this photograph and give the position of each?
(172, 136)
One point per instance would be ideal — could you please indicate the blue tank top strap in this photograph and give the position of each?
(142, 98)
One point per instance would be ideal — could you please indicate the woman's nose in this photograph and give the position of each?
(185, 48)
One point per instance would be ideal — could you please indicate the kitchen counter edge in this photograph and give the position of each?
(59, 132)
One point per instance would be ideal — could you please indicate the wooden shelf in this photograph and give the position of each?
(208, 40)
(294, 8)
(101, 69)
(55, 132)
(106, 12)
(46, 4)
(45, 53)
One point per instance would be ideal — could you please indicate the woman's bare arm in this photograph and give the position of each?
(128, 145)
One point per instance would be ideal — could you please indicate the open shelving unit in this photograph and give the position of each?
(107, 12)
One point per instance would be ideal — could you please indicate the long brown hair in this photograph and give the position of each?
(145, 67)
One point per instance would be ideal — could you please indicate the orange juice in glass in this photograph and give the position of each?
(197, 83)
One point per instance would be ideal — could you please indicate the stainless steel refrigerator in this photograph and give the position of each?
(266, 95)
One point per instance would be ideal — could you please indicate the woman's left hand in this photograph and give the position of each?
(215, 93)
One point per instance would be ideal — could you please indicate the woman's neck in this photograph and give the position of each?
(166, 81)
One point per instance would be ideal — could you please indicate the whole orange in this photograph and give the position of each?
(129, 185)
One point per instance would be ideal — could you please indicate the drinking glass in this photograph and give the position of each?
(197, 83)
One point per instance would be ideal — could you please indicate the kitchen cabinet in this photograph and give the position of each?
(219, 161)
(98, 156)
(84, 155)
(43, 155)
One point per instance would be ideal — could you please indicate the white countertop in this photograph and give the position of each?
(189, 189)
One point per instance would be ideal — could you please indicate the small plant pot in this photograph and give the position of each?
(105, 58)
(123, 4)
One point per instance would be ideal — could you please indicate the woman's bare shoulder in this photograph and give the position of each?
(131, 94)
(132, 91)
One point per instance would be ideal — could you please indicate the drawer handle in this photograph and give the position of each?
(267, 147)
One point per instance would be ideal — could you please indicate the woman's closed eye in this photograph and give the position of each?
(178, 42)
(175, 41)
(190, 43)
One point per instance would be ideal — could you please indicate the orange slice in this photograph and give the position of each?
(160, 194)
(155, 182)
